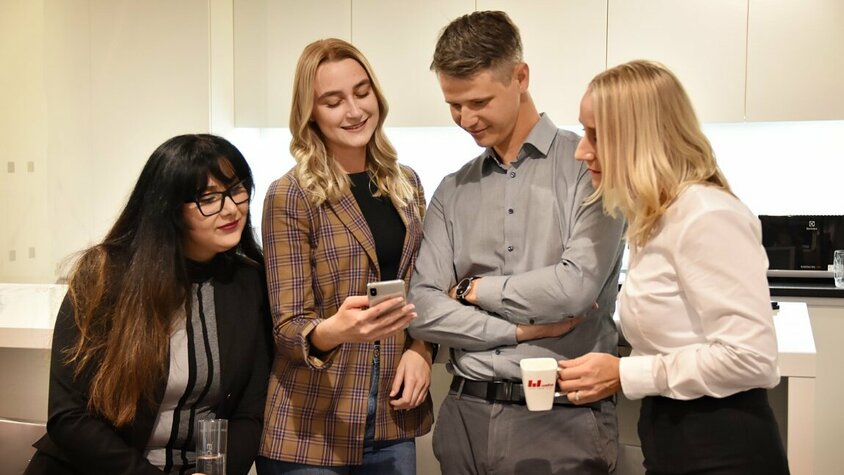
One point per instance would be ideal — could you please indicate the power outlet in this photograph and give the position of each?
(10, 167)
(12, 255)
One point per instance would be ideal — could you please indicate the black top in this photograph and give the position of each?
(384, 222)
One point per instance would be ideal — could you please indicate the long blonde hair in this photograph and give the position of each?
(321, 177)
(650, 145)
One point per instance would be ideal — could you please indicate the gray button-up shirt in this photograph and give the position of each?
(543, 256)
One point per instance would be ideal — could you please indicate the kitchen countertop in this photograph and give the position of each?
(28, 313)
(802, 287)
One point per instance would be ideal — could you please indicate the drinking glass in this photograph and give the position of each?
(838, 268)
(211, 446)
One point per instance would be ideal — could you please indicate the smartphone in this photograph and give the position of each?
(384, 290)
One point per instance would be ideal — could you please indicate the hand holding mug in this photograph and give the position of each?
(589, 378)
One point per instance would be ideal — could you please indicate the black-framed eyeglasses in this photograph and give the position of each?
(212, 202)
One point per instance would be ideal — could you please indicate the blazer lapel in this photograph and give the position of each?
(412, 236)
(350, 215)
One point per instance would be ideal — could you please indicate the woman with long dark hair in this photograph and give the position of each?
(164, 323)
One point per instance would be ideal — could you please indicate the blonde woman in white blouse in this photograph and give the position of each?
(695, 305)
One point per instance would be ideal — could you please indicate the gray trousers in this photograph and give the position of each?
(474, 436)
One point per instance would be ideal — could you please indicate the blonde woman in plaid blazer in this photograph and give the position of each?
(349, 388)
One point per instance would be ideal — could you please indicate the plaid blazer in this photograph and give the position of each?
(315, 258)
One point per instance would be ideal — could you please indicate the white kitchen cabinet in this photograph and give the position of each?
(701, 41)
(90, 88)
(564, 45)
(398, 39)
(795, 60)
(752, 60)
(269, 36)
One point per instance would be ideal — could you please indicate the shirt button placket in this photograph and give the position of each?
(509, 224)
(510, 211)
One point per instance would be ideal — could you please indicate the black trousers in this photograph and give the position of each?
(736, 435)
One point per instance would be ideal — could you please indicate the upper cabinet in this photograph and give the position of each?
(398, 39)
(564, 45)
(269, 36)
(754, 60)
(795, 60)
(701, 41)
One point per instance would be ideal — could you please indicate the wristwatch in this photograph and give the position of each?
(463, 288)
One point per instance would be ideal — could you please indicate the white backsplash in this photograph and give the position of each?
(774, 167)
(30, 305)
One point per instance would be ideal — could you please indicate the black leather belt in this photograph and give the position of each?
(502, 391)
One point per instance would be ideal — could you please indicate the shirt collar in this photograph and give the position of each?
(540, 138)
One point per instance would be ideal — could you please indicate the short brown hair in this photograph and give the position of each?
(475, 42)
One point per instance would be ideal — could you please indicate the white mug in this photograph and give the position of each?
(539, 381)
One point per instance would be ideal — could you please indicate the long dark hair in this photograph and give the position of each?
(126, 290)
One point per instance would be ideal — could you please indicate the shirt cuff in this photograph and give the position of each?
(315, 359)
(489, 291)
(637, 376)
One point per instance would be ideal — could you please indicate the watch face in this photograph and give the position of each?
(463, 286)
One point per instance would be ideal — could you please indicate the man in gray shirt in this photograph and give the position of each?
(509, 258)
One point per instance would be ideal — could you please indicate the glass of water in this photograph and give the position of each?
(838, 268)
(211, 438)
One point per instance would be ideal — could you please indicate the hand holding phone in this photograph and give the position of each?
(379, 314)
(384, 290)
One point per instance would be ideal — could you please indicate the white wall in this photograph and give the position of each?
(23, 133)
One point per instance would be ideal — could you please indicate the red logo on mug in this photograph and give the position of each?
(534, 384)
